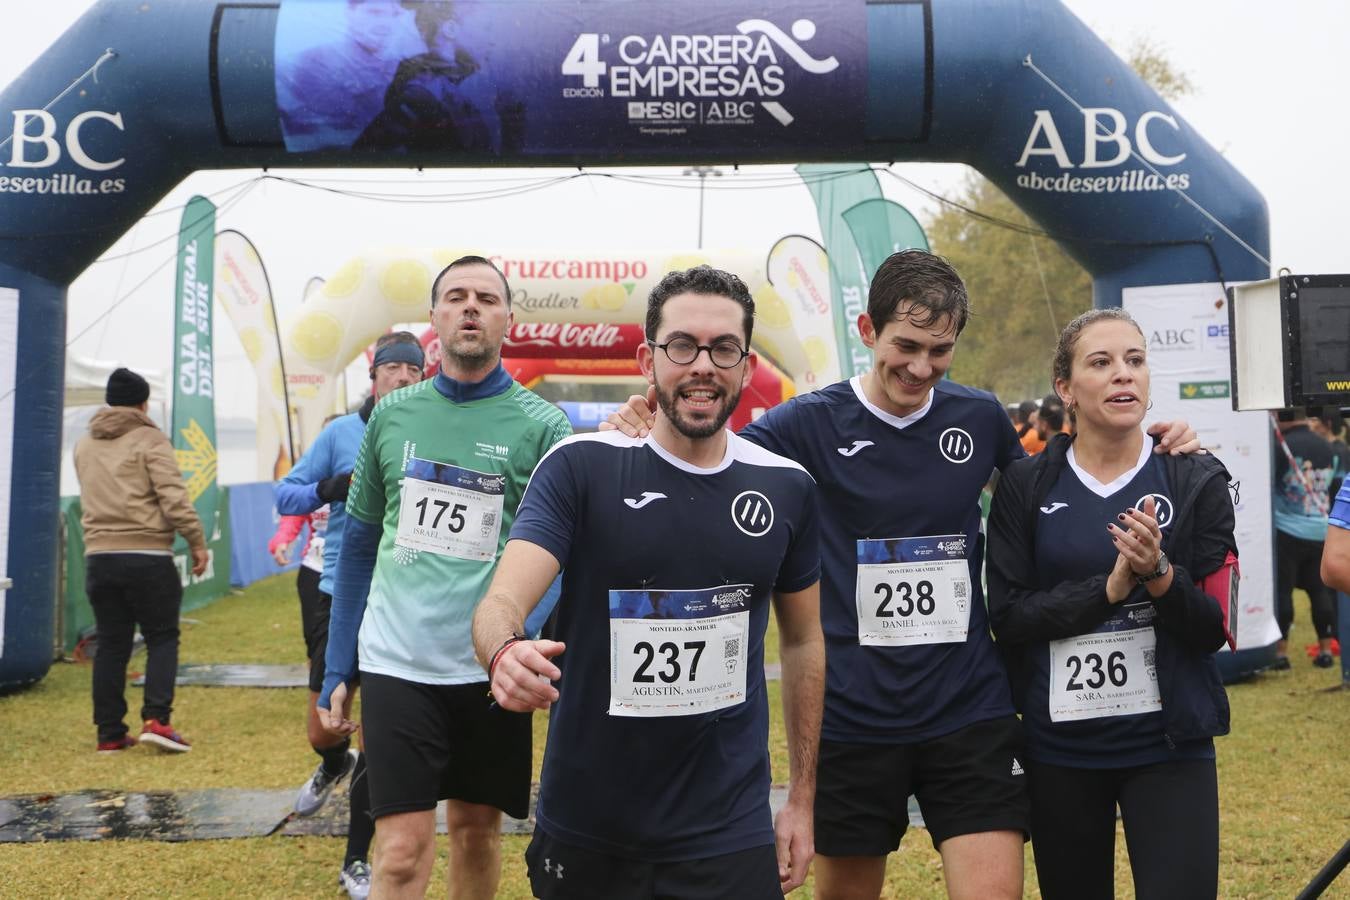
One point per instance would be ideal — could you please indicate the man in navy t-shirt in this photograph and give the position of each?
(673, 546)
(917, 700)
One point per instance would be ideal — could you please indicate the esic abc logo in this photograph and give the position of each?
(956, 445)
(752, 512)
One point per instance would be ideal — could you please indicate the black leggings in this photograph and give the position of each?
(1298, 564)
(1171, 816)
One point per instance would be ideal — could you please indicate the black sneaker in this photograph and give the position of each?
(314, 793)
(1281, 664)
(1324, 660)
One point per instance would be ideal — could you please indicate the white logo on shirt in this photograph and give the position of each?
(752, 512)
(956, 445)
(1162, 508)
(857, 445)
(1054, 507)
(1017, 767)
(552, 869)
(647, 497)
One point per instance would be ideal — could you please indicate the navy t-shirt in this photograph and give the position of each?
(882, 479)
(658, 743)
(1103, 710)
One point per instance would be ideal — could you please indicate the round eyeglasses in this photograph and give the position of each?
(683, 351)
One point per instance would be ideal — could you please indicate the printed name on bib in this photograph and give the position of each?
(913, 591)
(1110, 672)
(678, 653)
(451, 511)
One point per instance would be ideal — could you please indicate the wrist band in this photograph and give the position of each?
(515, 637)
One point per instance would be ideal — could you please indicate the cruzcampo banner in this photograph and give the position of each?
(835, 191)
(194, 410)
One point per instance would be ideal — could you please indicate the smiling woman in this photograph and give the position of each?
(1111, 635)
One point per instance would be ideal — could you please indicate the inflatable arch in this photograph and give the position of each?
(371, 292)
(135, 96)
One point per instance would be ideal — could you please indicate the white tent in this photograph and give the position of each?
(87, 379)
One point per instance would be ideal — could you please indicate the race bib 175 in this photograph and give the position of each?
(451, 511)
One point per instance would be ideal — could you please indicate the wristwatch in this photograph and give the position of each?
(1160, 571)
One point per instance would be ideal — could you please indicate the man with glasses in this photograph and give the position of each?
(673, 547)
(916, 698)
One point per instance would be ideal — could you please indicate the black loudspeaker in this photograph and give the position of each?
(1290, 342)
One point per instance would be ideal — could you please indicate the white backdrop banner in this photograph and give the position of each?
(1187, 330)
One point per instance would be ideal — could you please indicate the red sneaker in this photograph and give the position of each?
(164, 737)
(125, 742)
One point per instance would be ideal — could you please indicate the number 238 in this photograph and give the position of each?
(905, 601)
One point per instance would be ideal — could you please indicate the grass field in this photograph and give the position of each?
(1283, 773)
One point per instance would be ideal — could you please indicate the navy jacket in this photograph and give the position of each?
(1189, 622)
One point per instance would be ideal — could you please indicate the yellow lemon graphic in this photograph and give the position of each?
(317, 336)
(685, 261)
(605, 296)
(817, 354)
(793, 279)
(770, 309)
(443, 258)
(252, 340)
(406, 282)
(346, 280)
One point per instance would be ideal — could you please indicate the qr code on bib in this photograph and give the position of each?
(731, 648)
(959, 590)
(1150, 654)
(489, 518)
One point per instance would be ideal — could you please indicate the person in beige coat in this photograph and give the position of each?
(134, 501)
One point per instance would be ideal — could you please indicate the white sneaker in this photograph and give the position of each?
(355, 880)
(314, 793)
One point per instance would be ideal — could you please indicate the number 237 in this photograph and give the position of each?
(670, 672)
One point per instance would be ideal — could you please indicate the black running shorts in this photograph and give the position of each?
(561, 871)
(967, 782)
(430, 742)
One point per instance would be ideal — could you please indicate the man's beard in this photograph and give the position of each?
(469, 354)
(701, 429)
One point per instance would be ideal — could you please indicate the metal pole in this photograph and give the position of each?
(1323, 879)
(702, 172)
(702, 177)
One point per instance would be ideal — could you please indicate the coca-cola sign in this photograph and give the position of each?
(604, 340)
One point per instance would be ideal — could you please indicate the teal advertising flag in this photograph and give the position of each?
(883, 227)
(836, 190)
(193, 428)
